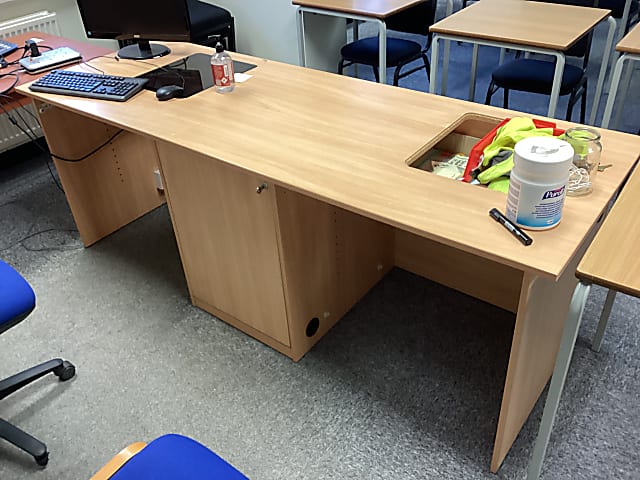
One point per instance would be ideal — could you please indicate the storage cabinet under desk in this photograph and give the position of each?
(278, 265)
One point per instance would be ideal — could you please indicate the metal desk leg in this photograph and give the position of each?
(382, 50)
(613, 89)
(604, 319)
(474, 71)
(557, 81)
(300, 27)
(569, 334)
(622, 94)
(433, 75)
(608, 48)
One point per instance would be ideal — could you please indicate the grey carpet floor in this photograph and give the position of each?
(406, 386)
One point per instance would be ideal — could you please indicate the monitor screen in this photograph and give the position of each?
(138, 20)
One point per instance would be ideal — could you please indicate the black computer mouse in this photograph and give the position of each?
(169, 91)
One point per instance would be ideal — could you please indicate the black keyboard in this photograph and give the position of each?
(7, 47)
(89, 85)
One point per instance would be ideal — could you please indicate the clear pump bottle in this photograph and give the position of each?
(222, 68)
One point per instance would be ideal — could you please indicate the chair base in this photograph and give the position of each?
(64, 370)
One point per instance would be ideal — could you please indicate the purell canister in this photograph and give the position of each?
(538, 182)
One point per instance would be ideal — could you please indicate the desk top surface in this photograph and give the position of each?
(539, 24)
(613, 258)
(368, 8)
(348, 142)
(631, 41)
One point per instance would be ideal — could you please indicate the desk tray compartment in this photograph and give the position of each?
(460, 137)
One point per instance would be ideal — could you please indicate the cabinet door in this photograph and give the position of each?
(227, 237)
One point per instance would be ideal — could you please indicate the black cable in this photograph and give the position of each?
(31, 235)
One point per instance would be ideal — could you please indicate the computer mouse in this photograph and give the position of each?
(169, 91)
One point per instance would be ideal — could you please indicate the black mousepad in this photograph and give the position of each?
(192, 73)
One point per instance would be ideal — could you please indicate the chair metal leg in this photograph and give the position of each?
(24, 441)
(340, 66)
(490, 91)
(376, 74)
(505, 98)
(604, 320)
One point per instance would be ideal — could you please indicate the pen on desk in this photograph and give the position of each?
(514, 229)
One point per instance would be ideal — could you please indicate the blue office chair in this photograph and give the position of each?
(536, 76)
(169, 457)
(17, 301)
(400, 51)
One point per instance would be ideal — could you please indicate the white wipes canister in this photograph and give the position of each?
(538, 182)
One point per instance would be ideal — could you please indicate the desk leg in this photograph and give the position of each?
(613, 89)
(113, 186)
(604, 320)
(557, 80)
(433, 75)
(542, 311)
(572, 325)
(474, 71)
(608, 47)
(300, 28)
(382, 50)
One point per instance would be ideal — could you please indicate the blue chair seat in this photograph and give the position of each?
(17, 298)
(535, 76)
(175, 457)
(366, 51)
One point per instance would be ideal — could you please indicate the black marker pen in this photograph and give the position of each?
(514, 229)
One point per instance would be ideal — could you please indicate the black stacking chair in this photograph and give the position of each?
(536, 75)
(400, 52)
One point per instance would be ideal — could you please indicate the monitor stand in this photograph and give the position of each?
(143, 50)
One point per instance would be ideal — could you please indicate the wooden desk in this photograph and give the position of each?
(338, 205)
(358, 10)
(629, 47)
(613, 261)
(520, 25)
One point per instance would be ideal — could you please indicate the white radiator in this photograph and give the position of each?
(10, 135)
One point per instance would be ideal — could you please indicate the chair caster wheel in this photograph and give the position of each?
(65, 371)
(43, 459)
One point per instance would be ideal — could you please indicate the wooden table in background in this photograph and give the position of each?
(293, 207)
(538, 27)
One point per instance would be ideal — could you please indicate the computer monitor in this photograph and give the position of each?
(137, 20)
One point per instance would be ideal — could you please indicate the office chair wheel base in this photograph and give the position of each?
(43, 459)
(65, 371)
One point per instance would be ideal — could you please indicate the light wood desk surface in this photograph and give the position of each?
(330, 156)
(613, 258)
(370, 8)
(630, 43)
(539, 24)
(341, 208)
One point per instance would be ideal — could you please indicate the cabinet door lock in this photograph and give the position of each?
(261, 187)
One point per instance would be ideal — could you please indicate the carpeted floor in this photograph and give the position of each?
(406, 386)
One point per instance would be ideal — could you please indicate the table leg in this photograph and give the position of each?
(604, 319)
(557, 80)
(382, 50)
(608, 48)
(474, 69)
(569, 334)
(613, 89)
(622, 95)
(433, 75)
(300, 27)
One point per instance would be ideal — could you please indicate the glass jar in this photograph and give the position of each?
(586, 159)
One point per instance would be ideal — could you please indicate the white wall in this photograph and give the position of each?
(264, 28)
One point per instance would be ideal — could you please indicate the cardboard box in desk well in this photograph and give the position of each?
(475, 155)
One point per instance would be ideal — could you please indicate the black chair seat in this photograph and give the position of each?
(366, 51)
(535, 76)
